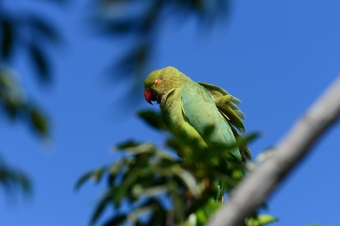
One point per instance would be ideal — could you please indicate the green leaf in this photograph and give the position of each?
(134, 215)
(118, 194)
(188, 179)
(40, 62)
(12, 178)
(98, 174)
(159, 217)
(82, 180)
(247, 138)
(7, 38)
(153, 119)
(116, 220)
(261, 220)
(141, 149)
(126, 144)
(38, 122)
(95, 175)
(138, 190)
(102, 204)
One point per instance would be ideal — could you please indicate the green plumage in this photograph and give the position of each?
(189, 108)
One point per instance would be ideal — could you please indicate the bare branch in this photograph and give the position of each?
(254, 190)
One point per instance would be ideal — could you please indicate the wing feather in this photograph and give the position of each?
(202, 113)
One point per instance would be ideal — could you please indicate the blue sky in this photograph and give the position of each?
(276, 56)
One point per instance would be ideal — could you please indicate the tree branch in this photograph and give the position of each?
(254, 190)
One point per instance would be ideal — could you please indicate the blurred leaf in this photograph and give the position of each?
(61, 2)
(145, 173)
(98, 174)
(6, 33)
(149, 192)
(116, 27)
(189, 180)
(261, 220)
(135, 148)
(141, 149)
(116, 220)
(39, 60)
(118, 194)
(247, 138)
(126, 144)
(45, 28)
(102, 204)
(95, 175)
(17, 107)
(82, 180)
(143, 210)
(153, 119)
(39, 122)
(134, 60)
(121, 17)
(12, 179)
(159, 217)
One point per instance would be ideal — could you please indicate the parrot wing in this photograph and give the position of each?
(227, 105)
(202, 113)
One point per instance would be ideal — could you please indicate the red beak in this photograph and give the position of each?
(148, 95)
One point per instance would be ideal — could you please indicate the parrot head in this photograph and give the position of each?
(159, 82)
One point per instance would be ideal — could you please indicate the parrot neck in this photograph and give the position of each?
(176, 83)
(179, 81)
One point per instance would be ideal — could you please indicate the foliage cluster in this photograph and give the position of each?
(162, 188)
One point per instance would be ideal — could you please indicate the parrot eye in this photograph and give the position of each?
(157, 82)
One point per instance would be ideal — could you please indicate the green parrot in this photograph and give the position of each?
(189, 108)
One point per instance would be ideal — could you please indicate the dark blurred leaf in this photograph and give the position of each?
(40, 62)
(107, 197)
(9, 178)
(120, 17)
(98, 174)
(116, 220)
(39, 122)
(114, 169)
(115, 27)
(135, 148)
(95, 175)
(6, 38)
(142, 149)
(159, 217)
(127, 144)
(153, 119)
(118, 194)
(17, 107)
(12, 179)
(45, 28)
(60, 2)
(82, 180)
(134, 60)
(247, 138)
(147, 172)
